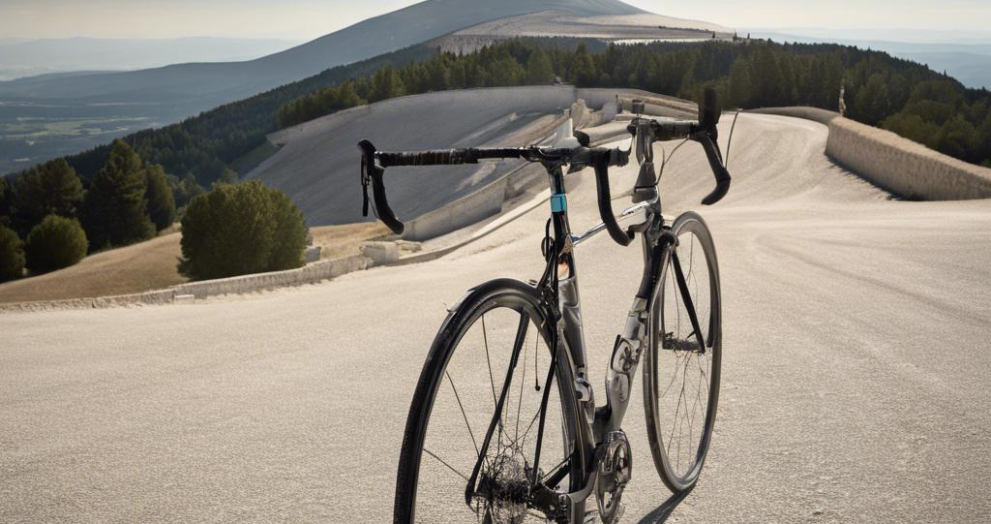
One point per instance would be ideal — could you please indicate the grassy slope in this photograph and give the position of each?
(152, 265)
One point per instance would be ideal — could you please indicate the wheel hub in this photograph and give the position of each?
(504, 489)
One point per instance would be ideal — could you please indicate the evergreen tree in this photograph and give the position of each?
(582, 71)
(740, 84)
(437, 76)
(767, 78)
(787, 93)
(115, 211)
(872, 103)
(11, 255)
(505, 72)
(4, 202)
(52, 188)
(161, 201)
(386, 84)
(538, 68)
(958, 138)
(986, 138)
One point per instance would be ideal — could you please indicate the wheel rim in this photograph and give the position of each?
(685, 380)
(462, 410)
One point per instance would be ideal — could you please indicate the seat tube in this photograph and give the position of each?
(569, 300)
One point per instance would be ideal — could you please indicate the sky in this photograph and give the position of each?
(301, 20)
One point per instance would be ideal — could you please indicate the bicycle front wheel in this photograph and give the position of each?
(470, 449)
(681, 370)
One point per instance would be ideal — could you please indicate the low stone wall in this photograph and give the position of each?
(463, 212)
(904, 167)
(815, 114)
(208, 288)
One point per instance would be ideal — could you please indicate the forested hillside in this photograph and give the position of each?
(905, 97)
(899, 95)
(204, 146)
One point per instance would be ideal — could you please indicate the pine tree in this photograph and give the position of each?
(4, 202)
(538, 68)
(115, 211)
(872, 103)
(986, 138)
(740, 84)
(787, 93)
(52, 188)
(767, 78)
(583, 71)
(386, 84)
(11, 254)
(161, 201)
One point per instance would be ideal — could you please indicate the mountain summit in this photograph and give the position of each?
(204, 85)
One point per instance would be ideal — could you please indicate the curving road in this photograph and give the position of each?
(854, 381)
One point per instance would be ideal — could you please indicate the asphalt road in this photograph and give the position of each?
(854, 377)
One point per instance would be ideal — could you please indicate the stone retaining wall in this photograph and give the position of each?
(815, 114)
(904, 167)
(243, 284)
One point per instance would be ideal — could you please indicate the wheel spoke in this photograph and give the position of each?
(488, 360)
(462, 475)
(463, 414)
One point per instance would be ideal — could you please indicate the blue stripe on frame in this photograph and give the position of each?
(559, 203)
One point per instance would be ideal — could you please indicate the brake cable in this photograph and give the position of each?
(729, 143)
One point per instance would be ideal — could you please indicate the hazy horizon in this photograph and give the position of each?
(300, 20)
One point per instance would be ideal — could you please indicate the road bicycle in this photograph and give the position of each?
(498, 432)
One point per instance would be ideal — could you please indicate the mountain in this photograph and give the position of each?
(203, 85)
(21, 58)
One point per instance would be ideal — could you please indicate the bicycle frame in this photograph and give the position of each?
(561, 291)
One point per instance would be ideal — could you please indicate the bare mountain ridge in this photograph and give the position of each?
(44, 56)
(216, 83)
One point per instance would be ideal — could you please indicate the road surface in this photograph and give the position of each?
(854, 378)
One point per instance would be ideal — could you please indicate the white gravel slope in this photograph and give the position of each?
(854, 379)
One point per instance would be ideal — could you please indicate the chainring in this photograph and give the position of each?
(615, 471)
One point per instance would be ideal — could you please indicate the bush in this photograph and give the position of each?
(11, 255)
(57, 242)
(241, 229)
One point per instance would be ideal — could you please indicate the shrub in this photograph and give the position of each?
(241, 229)
(57, 242)
(11, 255)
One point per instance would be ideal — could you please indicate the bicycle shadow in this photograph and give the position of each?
(662, 512)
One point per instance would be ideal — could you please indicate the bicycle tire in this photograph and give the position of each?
(498, 293)
(679, 482)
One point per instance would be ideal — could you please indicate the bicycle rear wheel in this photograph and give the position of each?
(681, 370)
(492, 351)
